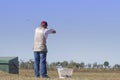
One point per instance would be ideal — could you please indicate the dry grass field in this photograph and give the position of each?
(29, 75)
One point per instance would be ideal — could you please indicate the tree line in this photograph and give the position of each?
(72, 64)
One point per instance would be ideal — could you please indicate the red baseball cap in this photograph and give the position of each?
(44, 23)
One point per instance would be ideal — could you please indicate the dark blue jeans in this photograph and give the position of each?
(40, 64)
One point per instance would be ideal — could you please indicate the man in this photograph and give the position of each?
(40, 49)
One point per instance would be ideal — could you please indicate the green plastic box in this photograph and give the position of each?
(9, 64)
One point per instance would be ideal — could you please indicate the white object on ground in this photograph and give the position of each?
(65, 72)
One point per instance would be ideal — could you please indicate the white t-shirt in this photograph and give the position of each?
(48, 31)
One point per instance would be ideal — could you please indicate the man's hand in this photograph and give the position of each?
(54, 32)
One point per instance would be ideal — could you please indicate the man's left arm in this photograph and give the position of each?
(51, 31)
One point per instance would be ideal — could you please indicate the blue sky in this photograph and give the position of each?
(87, 30)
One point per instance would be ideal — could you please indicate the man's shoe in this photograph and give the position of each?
(45, 76)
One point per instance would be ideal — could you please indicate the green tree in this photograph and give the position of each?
(95, 65)
(64, 63)
(89, 65)
(82, 65)
(106, 64)
(73, 64)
